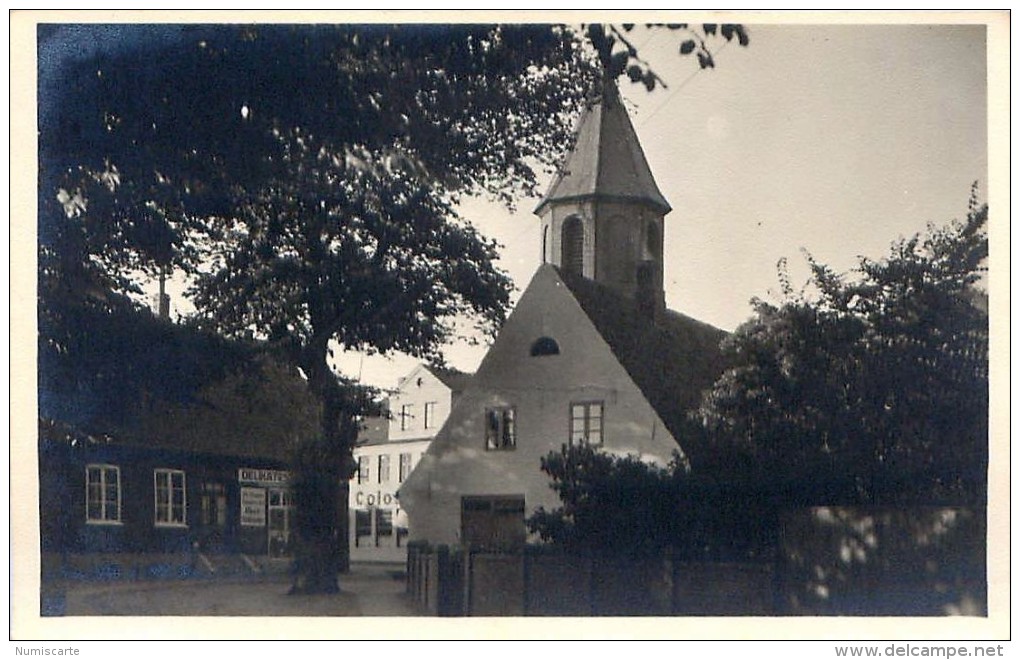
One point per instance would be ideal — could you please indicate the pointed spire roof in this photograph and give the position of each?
(607, 161)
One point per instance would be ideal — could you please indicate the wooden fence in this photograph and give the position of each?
(455, 582)
(830, 561)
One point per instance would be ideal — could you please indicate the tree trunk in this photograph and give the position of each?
(320, 484)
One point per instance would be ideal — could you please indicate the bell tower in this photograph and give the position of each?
(603, 216)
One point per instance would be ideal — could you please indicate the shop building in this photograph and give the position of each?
(385, 458)
(160, 446)
(104, 496)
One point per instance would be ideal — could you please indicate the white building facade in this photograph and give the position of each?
(417, 410)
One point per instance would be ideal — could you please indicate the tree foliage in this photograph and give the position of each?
(611, 504)
(369, 257)
(160, 127)
(621, 506)
(124, 374)
(619, 56)
(875, 388)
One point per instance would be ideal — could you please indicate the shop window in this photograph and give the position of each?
(281, 513)
(545, 346)
(500, 429)
(586, 423)
(364, 469)
(384, 468)
(362, 525)
(280, 498)
(170, 498)
(383, 524)
(102, 493)
(405, 466)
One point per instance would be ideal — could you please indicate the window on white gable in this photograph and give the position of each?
(500, 429)
(364, 469)
(405, 466)
(406, 415)
(430, 414)
(586, 423)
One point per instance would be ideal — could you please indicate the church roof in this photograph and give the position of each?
(672, 359)
(607, 161)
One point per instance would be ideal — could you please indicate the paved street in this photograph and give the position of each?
(368, 590)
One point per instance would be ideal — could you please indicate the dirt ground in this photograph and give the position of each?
(368, 590)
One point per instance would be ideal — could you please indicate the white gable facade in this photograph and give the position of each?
(520, 407)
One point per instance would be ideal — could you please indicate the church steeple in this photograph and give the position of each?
(603, 214)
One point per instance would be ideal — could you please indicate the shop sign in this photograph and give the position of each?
(260, 476)
(253, 507)
(377, 498)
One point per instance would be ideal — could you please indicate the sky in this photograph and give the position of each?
(833, 139)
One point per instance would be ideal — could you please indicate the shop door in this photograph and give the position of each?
(212, 516)
(492, 522)
(280, 513)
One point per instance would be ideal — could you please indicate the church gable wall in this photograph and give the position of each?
(540, 390)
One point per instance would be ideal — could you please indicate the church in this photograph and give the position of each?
(590, 353)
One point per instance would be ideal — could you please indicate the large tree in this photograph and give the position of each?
(869, 387)
(312, 173)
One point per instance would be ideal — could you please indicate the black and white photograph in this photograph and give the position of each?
(667, 325)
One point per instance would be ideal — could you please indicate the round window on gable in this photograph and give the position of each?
(545, 346)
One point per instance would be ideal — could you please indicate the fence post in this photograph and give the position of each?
(422, 575)
(674, 587)
(525, 582)
(443, 580)
(427, 559)
(469, 579)
(409, 571)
